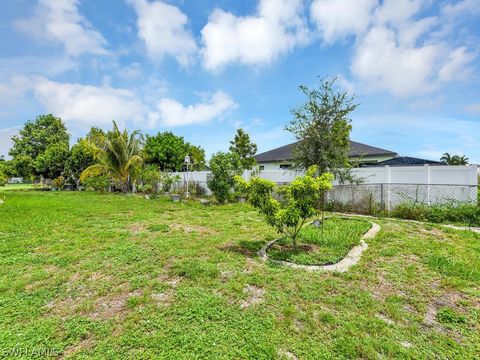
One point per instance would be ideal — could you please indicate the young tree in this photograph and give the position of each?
(221, 180)
(299, 200)
(244, 148)
(82, 155)
(322, 128)
(118, 155)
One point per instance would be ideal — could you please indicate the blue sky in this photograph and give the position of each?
(204, 68)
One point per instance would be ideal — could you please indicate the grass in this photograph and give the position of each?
(111, 276)
(317, 248)
(16, 187)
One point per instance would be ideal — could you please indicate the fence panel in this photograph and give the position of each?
(383, 187)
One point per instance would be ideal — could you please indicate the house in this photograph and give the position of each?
(405, 161)
(282, 157)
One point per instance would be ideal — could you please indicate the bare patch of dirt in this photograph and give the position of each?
(226, 275)
(163, 298)
(172, 281)
(193, 228)
(111, 307)
(383, 288)
(251, 265)
(136, 228)
(255, 296)
(385, 319)
(84, 344)
(436, 233)
(312, 248)
(284, 354)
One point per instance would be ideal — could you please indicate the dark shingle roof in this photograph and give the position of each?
(285, 152)
(405, 161)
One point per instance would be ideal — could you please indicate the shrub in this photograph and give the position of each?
(58, 182)
(221, 180)
(168, 180)
(97, 183)
(299, 200)
(447, 213)
(151, 178)
(197, 189)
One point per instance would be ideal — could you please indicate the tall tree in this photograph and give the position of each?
(37, 136)
(51, 163)
(168, 151)
(118, 155)
(244, 148)
(33, 140)
(82, 155)
(454, 160)
(197, 157)
(322, 127)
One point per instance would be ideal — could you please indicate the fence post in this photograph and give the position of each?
(382, 202)
(387, 181)
(427, 181)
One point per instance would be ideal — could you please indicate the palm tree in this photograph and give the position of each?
(454, 160)
(446, 158)
(118, 156)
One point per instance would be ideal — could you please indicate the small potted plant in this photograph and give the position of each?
(175, 195)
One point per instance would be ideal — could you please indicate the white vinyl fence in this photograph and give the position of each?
(386, 185)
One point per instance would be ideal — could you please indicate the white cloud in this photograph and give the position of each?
(338, 19)
(276, 28)
(456, 68)
(382, 64)
(400, 53)
(59, 21)
(6, 139)
(462, 7)
(162, 27)
(85, 105)
(14, 89)
(172, 113)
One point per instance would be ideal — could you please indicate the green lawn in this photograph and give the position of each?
(319, 246)
(112, 276)
(15, 187)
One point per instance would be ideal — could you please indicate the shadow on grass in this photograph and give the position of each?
(244, 247)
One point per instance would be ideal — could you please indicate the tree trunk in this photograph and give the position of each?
(77, 184)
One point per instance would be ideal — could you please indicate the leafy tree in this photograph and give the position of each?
(299, 202)
(221, 180)
(82, 155)
(6, 168)
(22, 165)
(322, 127)
(3, 178)
(197, 157)
(168, 151)
(118, 155)
(51, 163)
(37, 136)
(454, 160)
(244, 148)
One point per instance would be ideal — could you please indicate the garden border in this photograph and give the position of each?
(352, 257)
